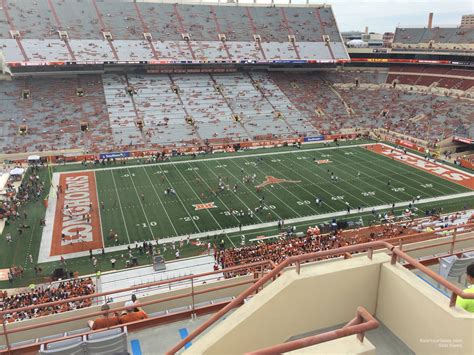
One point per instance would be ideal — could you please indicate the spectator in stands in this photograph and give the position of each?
(106, 320)
(468, 304)
(132, 314)
(61, 291)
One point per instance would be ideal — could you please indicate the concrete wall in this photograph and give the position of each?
(420, 316)
(344, 346)
(323, 295)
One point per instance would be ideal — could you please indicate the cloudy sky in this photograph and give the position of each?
(385, 15)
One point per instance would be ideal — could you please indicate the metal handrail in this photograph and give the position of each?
(369, 247)
(254, 266)
(136, 287)
(259, 270)
(361, 323)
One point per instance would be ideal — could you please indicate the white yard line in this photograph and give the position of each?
(121, 209)
(297, 185)
(236, 195)
(319, 186)
(217, 194)
(272, 224)
(363, 203)
(141, 205)
(413, 171)
(420, 157)
(161, 202)
(230, 240)
(253, 193)
(182, 176)
(100, 214)
(366, 183)
(271, 192)
(180, 201)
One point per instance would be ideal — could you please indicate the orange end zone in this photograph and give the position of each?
(76, 219)
(445, 172)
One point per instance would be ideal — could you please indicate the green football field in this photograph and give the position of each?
(137, 208)
(160, 216)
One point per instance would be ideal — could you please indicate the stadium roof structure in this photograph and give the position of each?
(120, 32)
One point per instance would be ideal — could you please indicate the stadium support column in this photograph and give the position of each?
(323, 31)
(254, 30)
(58, 23)
(181, 27)
(218, 27)
(291, 36)
(104, 29)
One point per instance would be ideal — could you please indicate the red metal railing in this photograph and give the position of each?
(258, 268)
(260, 278)
(297, 260)
(362, 323)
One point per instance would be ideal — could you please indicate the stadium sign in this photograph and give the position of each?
(314, 139)
(114, 155)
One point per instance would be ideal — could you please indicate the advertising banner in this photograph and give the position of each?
(114, 155)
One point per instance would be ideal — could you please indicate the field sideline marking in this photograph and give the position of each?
(120, 205)
(221, 158)
(273, 224)
(100, 214)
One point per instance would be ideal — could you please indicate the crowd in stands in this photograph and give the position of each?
(30, 189)
(281, 249)
(132, 313)
(288, 244)
(51, 293)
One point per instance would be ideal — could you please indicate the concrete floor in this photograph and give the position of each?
(159, 339)
(385, 342)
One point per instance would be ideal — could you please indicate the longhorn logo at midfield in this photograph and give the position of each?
(270, 180)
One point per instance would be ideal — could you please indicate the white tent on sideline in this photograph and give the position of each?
(33, 158)
(17, 171)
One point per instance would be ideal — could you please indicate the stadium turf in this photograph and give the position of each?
(137, 208)
(160, 216)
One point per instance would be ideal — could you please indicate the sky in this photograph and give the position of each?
(386, 15)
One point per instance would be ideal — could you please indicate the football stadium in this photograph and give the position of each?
(229, 178)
